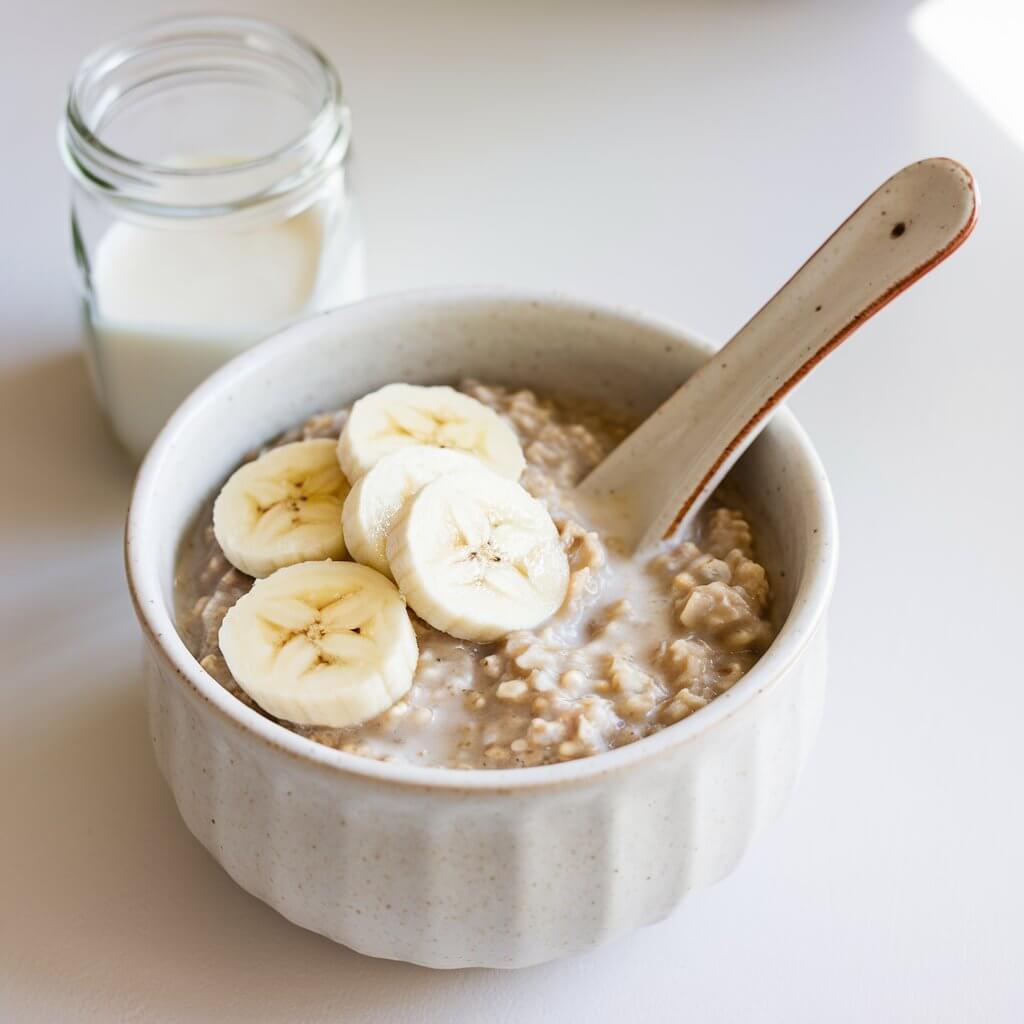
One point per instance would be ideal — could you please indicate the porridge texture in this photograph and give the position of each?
(637, 645)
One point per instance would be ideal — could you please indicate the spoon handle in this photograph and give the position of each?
(660, 476)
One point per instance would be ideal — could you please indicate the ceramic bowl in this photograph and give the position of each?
(475, 868)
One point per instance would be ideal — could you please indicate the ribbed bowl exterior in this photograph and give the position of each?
(496, 869)
(468, 878)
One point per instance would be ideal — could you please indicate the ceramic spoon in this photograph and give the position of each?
(659, 477)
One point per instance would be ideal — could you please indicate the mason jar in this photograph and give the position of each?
(210, 204)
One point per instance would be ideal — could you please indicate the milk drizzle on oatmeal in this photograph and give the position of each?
(637, 645)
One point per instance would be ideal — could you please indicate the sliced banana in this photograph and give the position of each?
(321, 643)
(378, 498)
(282, 508)
(401, 415)
(477, 557)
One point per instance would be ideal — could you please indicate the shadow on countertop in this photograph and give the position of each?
(65, 472)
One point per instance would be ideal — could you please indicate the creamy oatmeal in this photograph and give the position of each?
(636, 646)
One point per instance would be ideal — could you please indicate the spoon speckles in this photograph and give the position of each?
(660, 476)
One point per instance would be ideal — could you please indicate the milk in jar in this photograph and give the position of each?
(187, 256)
(170, 307)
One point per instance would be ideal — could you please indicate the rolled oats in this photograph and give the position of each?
(635, 647)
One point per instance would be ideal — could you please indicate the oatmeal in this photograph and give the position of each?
(636, 645)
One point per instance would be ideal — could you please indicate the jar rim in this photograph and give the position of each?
(319, 148)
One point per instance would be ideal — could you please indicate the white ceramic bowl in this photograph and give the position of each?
(479, 868)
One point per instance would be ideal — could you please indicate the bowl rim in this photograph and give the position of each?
(800, 626)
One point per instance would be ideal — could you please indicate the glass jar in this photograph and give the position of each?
(209, 207)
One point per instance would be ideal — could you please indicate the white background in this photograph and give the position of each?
(678, 158)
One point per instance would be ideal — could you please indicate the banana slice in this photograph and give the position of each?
(477, 557)
(378, 498)
(321, 643)
(401, 415)
(282, 508)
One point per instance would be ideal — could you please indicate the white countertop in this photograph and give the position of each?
(677, 158)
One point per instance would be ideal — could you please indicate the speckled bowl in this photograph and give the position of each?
(479, 868)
